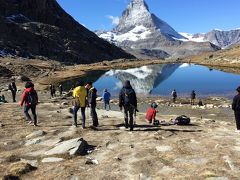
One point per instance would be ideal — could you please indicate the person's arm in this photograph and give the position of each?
(234, 103)
(121, 99)
(135, 99)
(24, 95)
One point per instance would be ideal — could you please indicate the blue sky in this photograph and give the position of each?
(190, 16)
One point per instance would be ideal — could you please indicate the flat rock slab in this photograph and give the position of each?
(52, 159)
(72, 147)
(34, 141)
(36, 134)
(164, 148)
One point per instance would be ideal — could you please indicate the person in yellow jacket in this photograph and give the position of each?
(80, 95)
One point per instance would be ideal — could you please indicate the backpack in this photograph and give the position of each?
(156, 123)
(128, 96)
(32, 97)
(182, 120)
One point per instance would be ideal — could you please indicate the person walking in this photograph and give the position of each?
(80, 95)
(52, 90)
(30, 101)
(174, 95)
(236, 109)
(128, 100)
(92, 96)
(60, 89)
(106, 99)
(13, 88)
(193, 97)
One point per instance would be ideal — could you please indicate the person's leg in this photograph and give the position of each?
(109, 105)
(83, 116)
(33, 109)
(75, 110)
(237, 118)
(105, 105)
(27, 116)
(131, 111)
(126, 116)
(94, 116)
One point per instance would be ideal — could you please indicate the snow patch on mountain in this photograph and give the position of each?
(193, 37)
(137, 33)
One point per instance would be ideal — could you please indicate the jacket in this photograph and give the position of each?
(236, 103)
(25, 99)
(151, 114)
(12, 87)
(92, 96)
(81, 93)
(132, 98)
(106, 96)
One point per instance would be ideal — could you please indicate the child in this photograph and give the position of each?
(151, 113)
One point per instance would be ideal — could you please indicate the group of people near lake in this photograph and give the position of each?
(86, 96)
(192, 97)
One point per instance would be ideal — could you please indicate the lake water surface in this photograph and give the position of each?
(162, 79)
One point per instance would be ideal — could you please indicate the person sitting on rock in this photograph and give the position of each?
(151, 113)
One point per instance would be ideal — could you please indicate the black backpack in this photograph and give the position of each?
(32, 97)
(128, 97)
(182, 120)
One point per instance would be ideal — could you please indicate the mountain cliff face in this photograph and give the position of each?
(42, 28)
(140, 30)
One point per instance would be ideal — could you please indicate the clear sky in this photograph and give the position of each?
(192, 16)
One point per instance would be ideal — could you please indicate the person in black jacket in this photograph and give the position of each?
(128, 100)
(92, 96)
(236, 109)
(13, 88)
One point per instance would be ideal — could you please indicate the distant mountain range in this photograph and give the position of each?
(146, 36)
(42, 29)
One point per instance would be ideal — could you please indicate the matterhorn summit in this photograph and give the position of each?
(144, 35)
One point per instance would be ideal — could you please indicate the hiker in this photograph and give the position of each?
(2, 98)
(151, 113)
(200, 103)
(236, 109)
(30, 101)
(128, 100)
(60, 89)
(13, 88)
(80, 95)
(92, 103)
(52, 90)
(174, 95)
(106, 99)
(193, 97)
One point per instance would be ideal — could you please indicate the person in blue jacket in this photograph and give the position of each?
(106, 99)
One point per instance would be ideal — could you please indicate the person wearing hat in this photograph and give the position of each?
(151, 113)
(106, 99)
(236, 109)
(128, 100)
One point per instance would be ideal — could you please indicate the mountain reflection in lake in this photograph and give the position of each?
(162, 79)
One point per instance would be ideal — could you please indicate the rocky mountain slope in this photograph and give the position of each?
(223, 39)
(33, 28)
(142, 33)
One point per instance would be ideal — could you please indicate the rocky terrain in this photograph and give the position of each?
(43, 30)
(206, 149)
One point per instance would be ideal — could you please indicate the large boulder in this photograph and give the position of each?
(72, 147)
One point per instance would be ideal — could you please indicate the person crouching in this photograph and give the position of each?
(151, 113)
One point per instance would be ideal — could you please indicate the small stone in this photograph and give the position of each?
(164, 148)
(64, 103)
(91, 161)
(36, 134)
(52, 159)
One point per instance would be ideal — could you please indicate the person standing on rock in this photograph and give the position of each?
(60, 89)
(193, 97)
(52, 90)
(92, 96)
(174, 95)
(13, 88)
(106, 99)
(30, 101)
(236, 109)
(80, 95)
(128, 100)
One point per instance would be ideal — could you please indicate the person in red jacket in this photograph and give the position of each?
(30, 101)
(151, 113)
